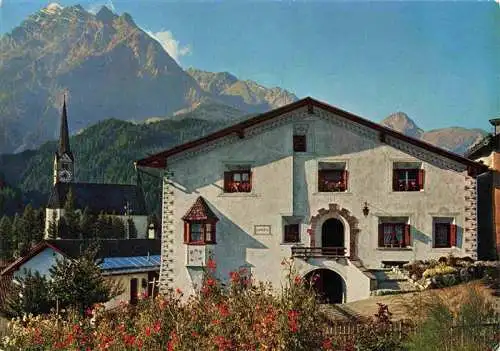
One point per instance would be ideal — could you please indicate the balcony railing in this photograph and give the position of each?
(311, 252)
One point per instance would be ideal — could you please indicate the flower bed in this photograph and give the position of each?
(448, 271)
(241, 316)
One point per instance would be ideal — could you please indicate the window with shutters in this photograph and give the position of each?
(408, 176)
(199, 232)
(394, 232)
(238, 180)
(332, 177)
(445, 232)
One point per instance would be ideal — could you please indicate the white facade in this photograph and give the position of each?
(250, 230)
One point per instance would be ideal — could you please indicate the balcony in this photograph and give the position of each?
(318, 252)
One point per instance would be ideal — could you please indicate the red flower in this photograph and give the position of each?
(210, 282)
(298, 280)
(211, 265)
(223, 310)
(157, 327)
(293, 322)
(235, 277)
(178, 291)
(147, 331)
(327, 344)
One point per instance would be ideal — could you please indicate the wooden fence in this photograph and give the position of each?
(487, 332)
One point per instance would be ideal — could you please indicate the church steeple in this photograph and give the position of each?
(64, 133)
(63, 160)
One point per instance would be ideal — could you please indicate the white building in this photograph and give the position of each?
(338, 193)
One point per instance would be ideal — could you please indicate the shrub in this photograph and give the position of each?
(438, 270)
(454, 321)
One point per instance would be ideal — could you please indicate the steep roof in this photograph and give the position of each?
(159, 160)
(107, 198)
(72, 248)
(199, 211)
(64, 134)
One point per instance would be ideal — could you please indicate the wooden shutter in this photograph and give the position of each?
(321, 179)
(345, 179)
(228, 177)
(407, 236)
(453, 235)
(421, 178)
(395, 180)
(186, 232)
(381, 235)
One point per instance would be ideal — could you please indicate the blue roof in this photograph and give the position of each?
(133, 263)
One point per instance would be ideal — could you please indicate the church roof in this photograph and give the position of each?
(199, 211)
(159, 160)
(64, 134)
(107, 198)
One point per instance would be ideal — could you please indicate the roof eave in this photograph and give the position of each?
(159, 160)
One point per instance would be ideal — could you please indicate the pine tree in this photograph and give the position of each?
(87, 221)
(29, 229)
(132, 230)
(118, 228)
(17, 235)
(53, 229)
(71, 217)
(79, 283)
(39, 228)
(6, 238)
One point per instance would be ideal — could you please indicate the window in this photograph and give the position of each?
(292, 233)
(445, 232)
(239, 181)
(299, 143)
(408, 176)
(394, 232)
(200, 232)
(332, 177)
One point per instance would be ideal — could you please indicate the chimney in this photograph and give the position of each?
(495, 122)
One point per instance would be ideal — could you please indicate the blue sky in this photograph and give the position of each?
(437, 61)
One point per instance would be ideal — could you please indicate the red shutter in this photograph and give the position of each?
(394, 180)
(228, 177)
(421, 178)
(381, 235)
(345, 179)
(186, 232)
(407, 237)
(453, 235)
(320, 180)
(249, 181)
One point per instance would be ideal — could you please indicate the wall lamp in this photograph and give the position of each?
(366, 210)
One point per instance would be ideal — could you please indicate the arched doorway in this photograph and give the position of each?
(332, 233)
(329, 285)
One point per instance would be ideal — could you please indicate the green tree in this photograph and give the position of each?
(72, 217)
(29, 229)
(118, 230)
(132, 230)
(28, 294)
(6, 238)
(87, 221)
(53, 229)
(79, 283)
(39, 228)
(17, 235)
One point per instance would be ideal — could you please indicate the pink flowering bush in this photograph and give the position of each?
(242, 316)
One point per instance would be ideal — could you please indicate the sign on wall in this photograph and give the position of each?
(262, 229)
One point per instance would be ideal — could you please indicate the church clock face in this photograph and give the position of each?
(64, 175)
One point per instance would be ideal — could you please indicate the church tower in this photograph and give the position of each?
(63, 159)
